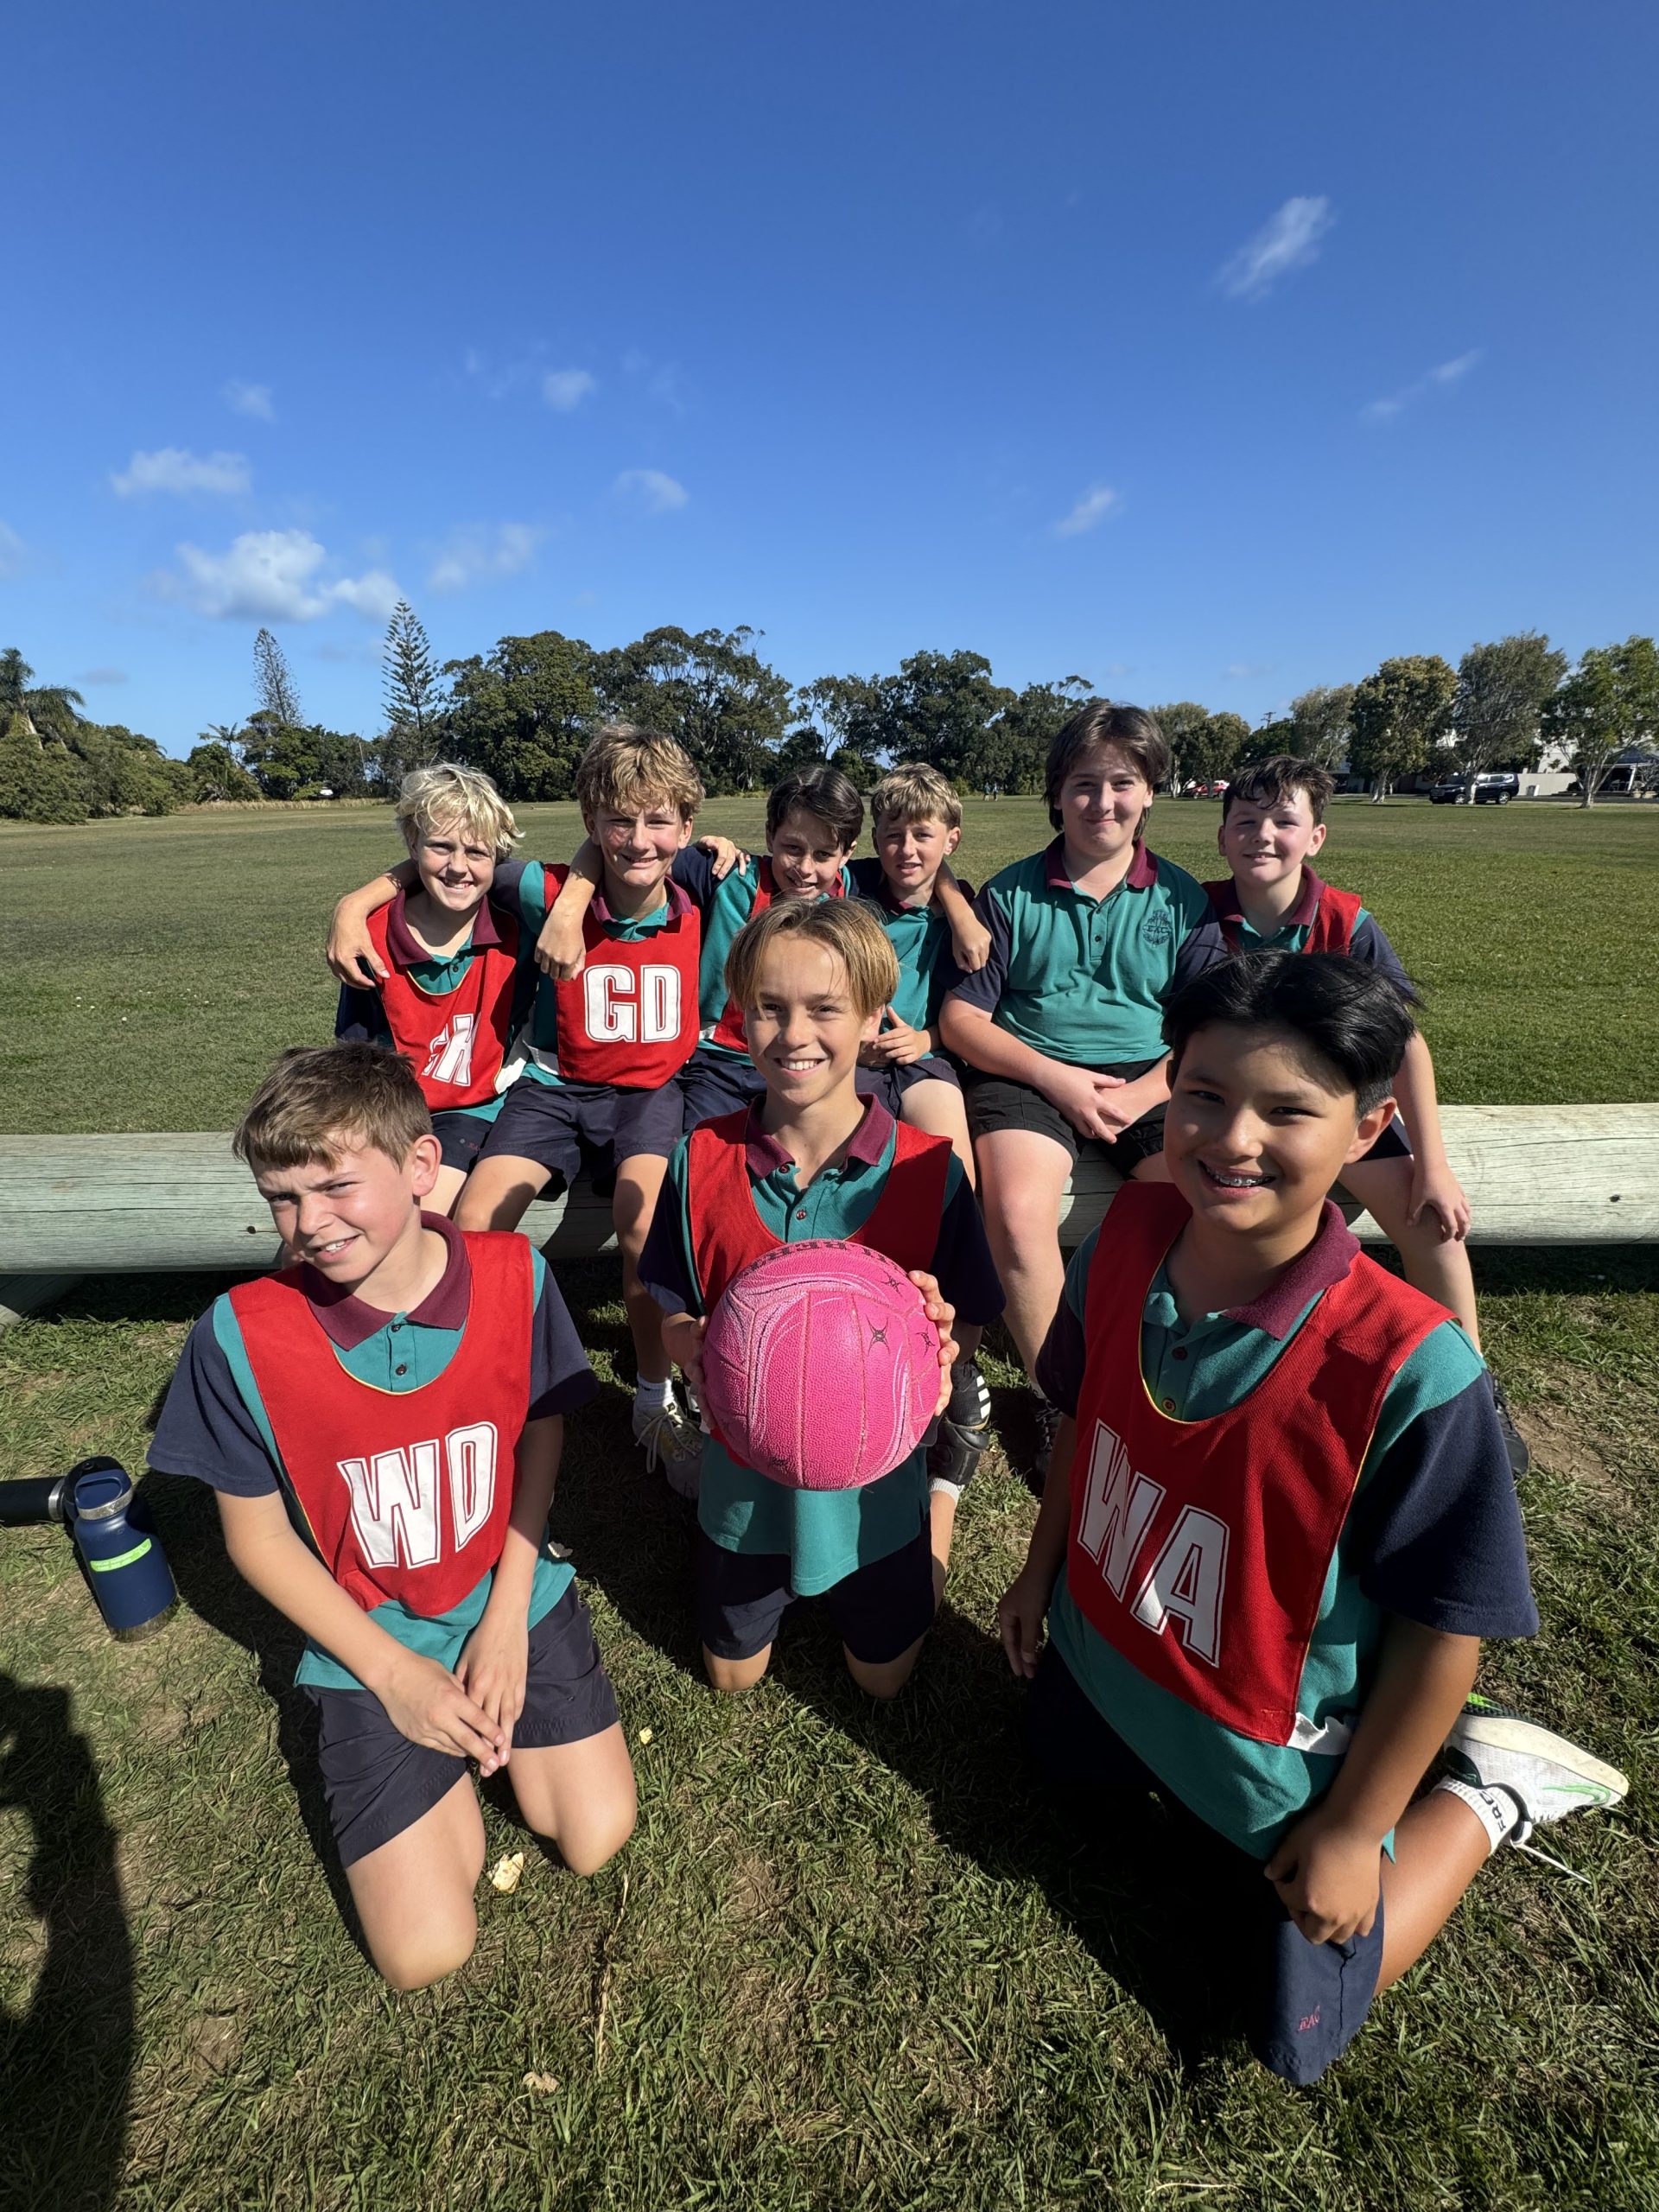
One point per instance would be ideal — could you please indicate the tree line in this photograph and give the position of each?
(523, 712)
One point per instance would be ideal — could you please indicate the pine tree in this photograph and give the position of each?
(413, 703)
(279, 698)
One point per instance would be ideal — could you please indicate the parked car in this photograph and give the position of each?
(1495, 787)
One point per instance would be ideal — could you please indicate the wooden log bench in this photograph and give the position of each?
(150, 1204)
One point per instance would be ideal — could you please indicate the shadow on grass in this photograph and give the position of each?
(67, 2060)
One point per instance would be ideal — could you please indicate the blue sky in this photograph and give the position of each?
(1201, 350)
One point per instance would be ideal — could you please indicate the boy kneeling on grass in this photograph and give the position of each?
(1278, 1518)
(382, 1423)
(811, 1159)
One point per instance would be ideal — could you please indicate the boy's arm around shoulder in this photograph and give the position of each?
(351, 955)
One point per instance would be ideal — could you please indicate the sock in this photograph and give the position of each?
(1497, 1810)
(653, 1397)
(950, 1490)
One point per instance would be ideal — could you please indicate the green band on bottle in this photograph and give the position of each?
(109, 1566)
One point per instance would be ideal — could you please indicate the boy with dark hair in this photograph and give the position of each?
(602, 1049)
(811, 1159)
(1061, 1027)
(1272, 824)
(381, 1423)
(1278, 1519)
(457, 975)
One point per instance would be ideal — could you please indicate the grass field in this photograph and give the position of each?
(847, 1961)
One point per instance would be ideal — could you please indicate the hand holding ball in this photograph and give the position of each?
(820, 1365)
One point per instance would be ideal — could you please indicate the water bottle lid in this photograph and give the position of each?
(99, 1488)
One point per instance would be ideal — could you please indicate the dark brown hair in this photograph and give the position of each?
(819, 790)
(1131, 729)
(1270, 781)
(318, 1097)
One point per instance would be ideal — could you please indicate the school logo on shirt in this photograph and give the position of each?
(614, 1016)
(1158, 929)
(397, 1496)
(1184, 1584)
(449, 1057)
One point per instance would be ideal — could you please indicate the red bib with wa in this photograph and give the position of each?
(1200, 1549)
(727, 1233)
(730, 1030)
(630, 1019)
(454, 1040)
(406, 1493)
(1336, 915)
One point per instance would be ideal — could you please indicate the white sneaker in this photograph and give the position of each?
(672, 1442)
(1548, 1777)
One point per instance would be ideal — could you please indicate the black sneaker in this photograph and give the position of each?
(964, 1430)
(1514, 1443)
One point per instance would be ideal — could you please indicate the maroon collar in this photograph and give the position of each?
(1142, 870)
(347, 1322)
(677, 904)
(1229, 908)
(1326, 1264)
(408, 952)
(763, 1155)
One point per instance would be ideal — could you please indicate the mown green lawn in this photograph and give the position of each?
(848, 1961)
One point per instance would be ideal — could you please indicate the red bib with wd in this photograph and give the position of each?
(1336, 915)
(406, 1493)
(630, 1019)
(454, 1040)
(1200, 1549)
(727, 1232)
(729, 1030)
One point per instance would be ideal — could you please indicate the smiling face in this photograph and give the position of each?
(348, 1215)
(1265, 841)
(804, 1028)
(807, 855)
(637, 844)
(1258, 1128)
(1102, 802)
(912, 853)
(457, 867)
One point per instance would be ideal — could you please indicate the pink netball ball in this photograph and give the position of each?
(820, 1366)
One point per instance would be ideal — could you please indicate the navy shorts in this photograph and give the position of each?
(460, 1137)
(880, 1610)
(563, 1127)
(1304, 2002)
(890, 1084)
(717, 1082)
(378, 1783)
(996, 1102)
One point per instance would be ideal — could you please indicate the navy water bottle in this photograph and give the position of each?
(125, 1566)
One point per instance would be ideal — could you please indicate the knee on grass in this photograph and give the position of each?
(428, 1954)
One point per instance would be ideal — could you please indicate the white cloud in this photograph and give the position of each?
(249, 399)
(1288, 240)
(275, 575)
(483, 551)
(564, 390)
(1093, 507)
(658, 494)
(1395, 402)
(172, 469)
(14, 554)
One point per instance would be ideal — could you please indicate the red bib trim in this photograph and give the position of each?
(1335, 914)
(630, 1019)
(1200, 1549)
(454, 1040)
(406, 1494)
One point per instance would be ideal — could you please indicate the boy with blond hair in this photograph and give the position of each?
(811, 1159)
(454, 975)
(382, 1424)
